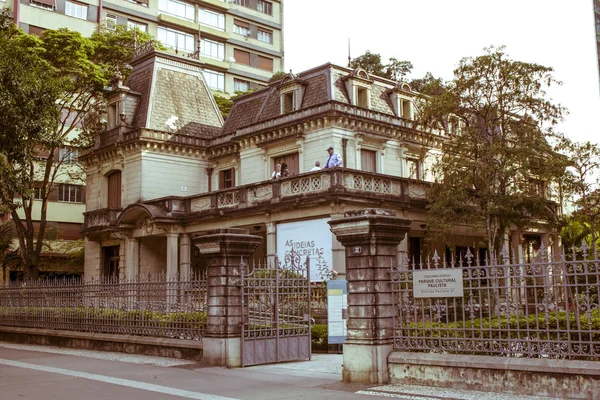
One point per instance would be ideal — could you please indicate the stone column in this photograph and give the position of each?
(185, 256)
(132, 259)
(371, 237)
(403, 260)
(271, 242)
(172, 253)
(223, 250)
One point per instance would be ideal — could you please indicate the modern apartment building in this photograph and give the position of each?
(241, 41)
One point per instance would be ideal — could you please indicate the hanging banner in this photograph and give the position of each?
(310, 238)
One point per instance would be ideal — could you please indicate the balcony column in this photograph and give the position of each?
(185, 256)
(403, 260)
(132, 259)
(271, 242)
(404, 172)
(371, 238)
(172, 255)
(209, 173)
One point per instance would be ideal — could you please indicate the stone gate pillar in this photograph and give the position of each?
(371, 237)
(223, 250)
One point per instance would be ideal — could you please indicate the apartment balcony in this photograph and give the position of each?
(304, 190)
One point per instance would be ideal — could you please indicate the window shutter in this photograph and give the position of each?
(265, 63)
(221, 180)
(241, 57)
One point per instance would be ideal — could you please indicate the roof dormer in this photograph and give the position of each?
(291, 92)
(358, 85)
(402, 98)
(121, 104)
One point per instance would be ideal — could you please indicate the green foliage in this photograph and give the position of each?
(277, 76)
(553, 329)
(153, 318)
(319, 336)
(498, 162)
(225, 103)
(371, 63)
(51, 96)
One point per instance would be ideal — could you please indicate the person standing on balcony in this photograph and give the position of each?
(317, 167)
(277, 173)
(334, 159)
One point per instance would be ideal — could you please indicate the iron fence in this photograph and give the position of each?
(546, 308)
(152, 306)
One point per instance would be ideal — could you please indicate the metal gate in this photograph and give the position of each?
(276, 311)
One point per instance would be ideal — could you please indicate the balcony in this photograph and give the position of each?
(101, 218)
(340, 184)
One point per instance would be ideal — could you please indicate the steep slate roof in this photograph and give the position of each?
(175, 92)
(264, 104)
(186, 97)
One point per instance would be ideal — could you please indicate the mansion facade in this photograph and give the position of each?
(168, 168)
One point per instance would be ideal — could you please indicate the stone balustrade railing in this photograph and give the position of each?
(338, 181)
(103, 217)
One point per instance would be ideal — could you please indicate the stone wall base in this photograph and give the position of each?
(172, 348)
(223, 352)
(537, 377)
(366, 364)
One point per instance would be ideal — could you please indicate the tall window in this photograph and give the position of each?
(264, 7)
(131, 25)
(368, 160)
(214, 79)
(265, 36)
(177, 8)
(70, 193)
(212, 49)
(240, 85)
(114, 190)
(243, 3)
(413, 168)
(241, 27)
(362, 97)
(111, 22)
(176, 39)
(76, 10)
(226, 178)
(68, 155)
(211, 18)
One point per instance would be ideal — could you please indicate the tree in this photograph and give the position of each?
(582, 183)
(371, 63)
(277, 76)
(51, 97)
(498, 161)
(225, 103)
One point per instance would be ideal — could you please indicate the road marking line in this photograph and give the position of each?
(396, 395)
(117, 381)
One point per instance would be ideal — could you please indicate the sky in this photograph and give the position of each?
(435, 34)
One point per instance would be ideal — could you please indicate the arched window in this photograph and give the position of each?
(114, 190)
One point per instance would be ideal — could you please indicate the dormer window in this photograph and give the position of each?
(358, 85)
(401, 96)
(287, 102)
(362, 97)
(291, 92)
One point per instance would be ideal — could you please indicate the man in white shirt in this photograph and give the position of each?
(334, 159)
(317, 167)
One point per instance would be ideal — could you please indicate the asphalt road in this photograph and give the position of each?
(49, 373)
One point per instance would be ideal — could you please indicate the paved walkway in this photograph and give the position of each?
(47, 373)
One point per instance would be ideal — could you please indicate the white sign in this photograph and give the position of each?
(437, 283)
(311, 238)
